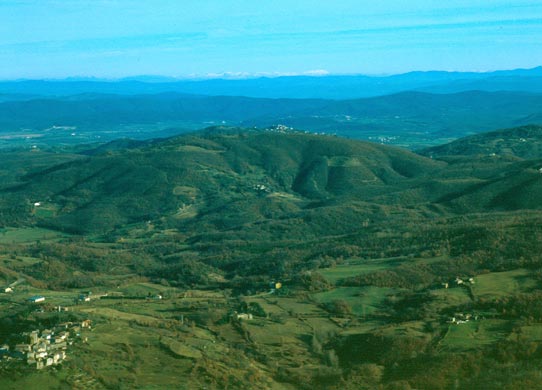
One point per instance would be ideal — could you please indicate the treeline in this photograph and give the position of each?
(377, 361)
(525, 306)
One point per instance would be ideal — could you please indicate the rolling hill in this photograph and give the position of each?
(247, 180)
(215, 175)
(520, 142)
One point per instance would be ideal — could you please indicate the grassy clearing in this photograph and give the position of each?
(499, 284)
(295, 307)
(362, 300)
(119, 353)
(443, 298)
(532, 332)
(354, 267)
(363, 327)
(269, 305)
(110, 313)
(410, 328)
(27, 235)
(142, 289)
(23, 291)
(31, 381)
(19, 261)
(290, 332)
(133, 349)
(46, 211)
(474, 334)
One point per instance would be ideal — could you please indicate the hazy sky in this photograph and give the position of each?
(115, 38)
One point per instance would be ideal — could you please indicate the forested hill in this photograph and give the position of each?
(249, 180)
(520, 142)
(225, 178)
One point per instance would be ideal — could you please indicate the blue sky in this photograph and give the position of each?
(116, 38)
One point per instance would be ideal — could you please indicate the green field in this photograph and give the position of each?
(450, 297)
(362, 300)
(353, 267)
(474, 334)
(28, 235)
(497, 284)
(532, 332)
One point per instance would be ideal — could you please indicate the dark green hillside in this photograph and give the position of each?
(226, 179)
(246, 184)
(499, 170)
(521, 142)
(517, 186)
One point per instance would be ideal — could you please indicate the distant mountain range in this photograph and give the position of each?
(306, 87)
(411, 119)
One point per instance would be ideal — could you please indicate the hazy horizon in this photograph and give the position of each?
(113, 39)
(232, 76)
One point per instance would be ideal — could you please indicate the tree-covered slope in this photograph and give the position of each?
(227, 177)
(523, 142)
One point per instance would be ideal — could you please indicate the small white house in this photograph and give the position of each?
(36, 299)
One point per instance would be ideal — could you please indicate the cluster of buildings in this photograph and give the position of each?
(45, 348)
(461, 318)
(243, 316)
(261, 188)
(459, 282)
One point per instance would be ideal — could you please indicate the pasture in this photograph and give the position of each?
(499, 284)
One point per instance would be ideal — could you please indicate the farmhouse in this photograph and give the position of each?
(36, 299)
(84, 298)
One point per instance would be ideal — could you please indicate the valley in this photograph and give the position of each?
(242, 258)
(240, 195)
(409, 119)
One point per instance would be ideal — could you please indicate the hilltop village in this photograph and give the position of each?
(48, 347)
